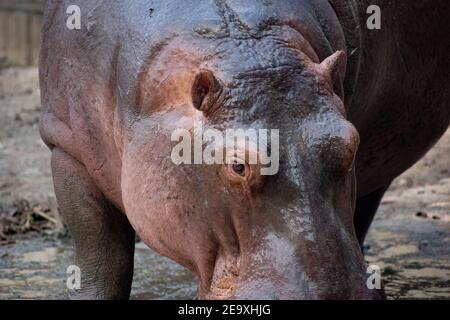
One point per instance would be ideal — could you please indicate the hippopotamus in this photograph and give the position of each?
(354, 107)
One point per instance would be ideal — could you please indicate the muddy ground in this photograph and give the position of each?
(409, 240)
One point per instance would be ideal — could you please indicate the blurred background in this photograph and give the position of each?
(409, 239)
(20, 28)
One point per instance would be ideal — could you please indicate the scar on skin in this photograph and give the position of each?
(248, 192)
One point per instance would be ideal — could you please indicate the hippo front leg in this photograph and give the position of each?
(365, 210)
(104, 239)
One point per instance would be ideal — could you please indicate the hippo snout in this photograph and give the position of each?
(277, 269)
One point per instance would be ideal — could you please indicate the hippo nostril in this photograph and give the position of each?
(338, 152)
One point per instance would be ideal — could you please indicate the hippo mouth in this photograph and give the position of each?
(224, 287)
(274, 271)
(233, 287)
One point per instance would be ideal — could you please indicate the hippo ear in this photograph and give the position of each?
(206, 90)
(335, 62)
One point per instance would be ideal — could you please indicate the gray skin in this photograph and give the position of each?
(114, 91)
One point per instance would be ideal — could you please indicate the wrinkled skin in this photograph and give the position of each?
(114, 92)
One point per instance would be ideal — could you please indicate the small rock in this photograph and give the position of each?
(423, 244)
(404, 182)
(421, 214)
(18, 117)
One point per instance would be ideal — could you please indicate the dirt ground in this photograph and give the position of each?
(409, 240)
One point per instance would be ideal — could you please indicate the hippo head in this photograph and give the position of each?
(247, 229)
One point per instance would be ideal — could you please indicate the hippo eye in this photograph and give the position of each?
(238, 172)
(238, 168)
